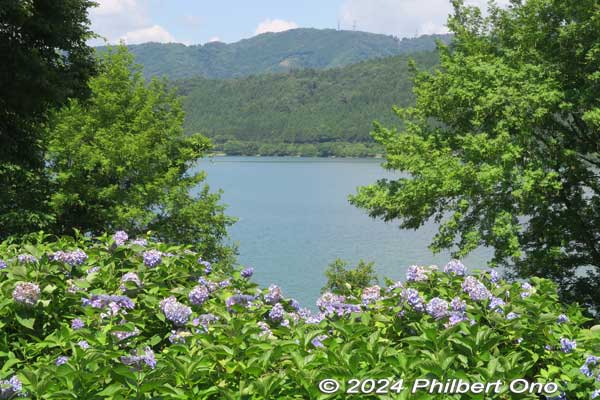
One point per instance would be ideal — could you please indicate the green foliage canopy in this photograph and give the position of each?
(502, 145)
(45, 60)
(300, 107)
(120, 160)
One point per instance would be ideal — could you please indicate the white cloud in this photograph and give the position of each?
(274, 25)
(154, 33)
(126, 20)
(402, 18)
(214, 39)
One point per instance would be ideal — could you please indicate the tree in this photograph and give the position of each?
(120, 160)
(45, 60)
(344, 280)
(502, 145)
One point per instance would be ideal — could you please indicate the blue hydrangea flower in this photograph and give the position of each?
(205, 320)
(198, 295)
(455, 267)
(120, 237)
(104, 300)
(527, 290)
(494, 277)
(437, 308)
(152, 258)
(265, 330)
(2, 265)
(567, 346)
(77, 324)
(122, 335)
(175, 311)
(455, 318)
(595, 394)
(247, 272)
(179, 336)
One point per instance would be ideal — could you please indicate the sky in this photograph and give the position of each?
(202, 21)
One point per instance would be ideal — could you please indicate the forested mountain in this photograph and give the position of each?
(301, 112)
(274, 52)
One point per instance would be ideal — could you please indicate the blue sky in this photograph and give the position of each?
(199, 21)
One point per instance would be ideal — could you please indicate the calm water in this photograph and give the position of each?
(294, 219)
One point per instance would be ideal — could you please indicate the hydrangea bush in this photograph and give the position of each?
(120, 318)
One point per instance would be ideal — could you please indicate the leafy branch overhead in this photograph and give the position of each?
(502, 144)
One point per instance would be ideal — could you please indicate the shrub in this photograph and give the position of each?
(343, 280)
(112, 317)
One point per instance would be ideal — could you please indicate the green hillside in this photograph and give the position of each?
(274, 52)
(306, 112)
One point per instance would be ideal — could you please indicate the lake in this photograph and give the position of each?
(295, 219)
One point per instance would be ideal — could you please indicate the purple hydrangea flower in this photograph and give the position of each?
(244, 300)
(475, 289)
(265, 330)
(317, 341)
(527, 289)
(414, 299)
(512, 315)
(175, 311)
(494, 277)
(26, 293)
(562, 318)
(122, 335)
(247, 272)
(585, 369)
(276, 313)
(83, 344)
(455, 267)
(567, 346)
(595, 394)
(152, 258)
(371, 294)
(77, 324)
(105, 300)
(179, 336)
(137, 361)
(2, 265)
(120, 237)
(26, 259)
(437, 308)
(294, 304)
(458, 305)
(140, 242)
(198, 295)
(224, 283)
(497, 304)
(92, 270)
(73, 258)
(61, 360)
(455, 318)
(416, 273)
(274, 295)
(10, 388)
(205, 320)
